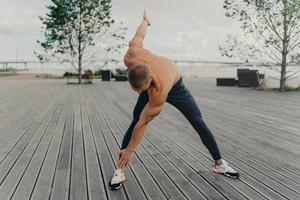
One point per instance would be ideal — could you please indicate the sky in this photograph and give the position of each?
(181, 29)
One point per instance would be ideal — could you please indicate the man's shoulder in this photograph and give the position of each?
(132, 52)
(157, 95)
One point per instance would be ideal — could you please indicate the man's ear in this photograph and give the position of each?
(151, 77)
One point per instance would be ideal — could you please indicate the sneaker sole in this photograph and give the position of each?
(232, 175)
(116, 186)
(229, 175)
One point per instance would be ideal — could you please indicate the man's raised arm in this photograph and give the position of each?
(137, 40)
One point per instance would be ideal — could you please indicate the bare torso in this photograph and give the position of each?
(163, 68)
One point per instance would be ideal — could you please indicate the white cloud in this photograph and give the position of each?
(180, 29)
(19, 28)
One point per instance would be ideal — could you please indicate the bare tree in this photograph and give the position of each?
(271, 33)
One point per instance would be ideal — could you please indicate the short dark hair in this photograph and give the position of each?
(138, 76)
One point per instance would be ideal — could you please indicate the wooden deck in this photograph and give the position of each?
(61, 142)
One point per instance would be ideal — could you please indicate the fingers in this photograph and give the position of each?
(124, 159)
(122, 163)
(120, 166)
(145, 15)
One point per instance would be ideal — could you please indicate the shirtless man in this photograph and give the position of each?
(157, 80)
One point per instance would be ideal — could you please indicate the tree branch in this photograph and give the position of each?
(273, 56)
(271, 26)
(294, 35)
(275, 69)
(262, 35)
(293, 74)
(294, 46)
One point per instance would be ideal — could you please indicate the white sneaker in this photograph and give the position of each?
(117, 180)
(225, 170)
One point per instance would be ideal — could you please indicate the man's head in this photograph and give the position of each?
(139, 78)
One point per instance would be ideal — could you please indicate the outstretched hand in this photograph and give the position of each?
(146, 18)
(125, 158)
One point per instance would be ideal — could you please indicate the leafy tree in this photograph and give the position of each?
(271, 33)
(74, 29)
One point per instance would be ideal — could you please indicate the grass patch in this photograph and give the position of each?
(286, 89)
(4, 74)
(291, 89)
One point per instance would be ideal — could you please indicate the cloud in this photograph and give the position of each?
(180, 29)
(20, 17)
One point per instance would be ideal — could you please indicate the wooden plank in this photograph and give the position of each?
(27, 183)
(61, 182)
(11, 180)
(260, 140)
(94, 176)
(30, 116)
(230, 142)
(15, 98)
(17, 106)
(10, 128)
(78, 187)
(226, 133)
(212, 179)
(163, 181)
(131, 189)
(257, 150)
(191, 174)
(201, 164)
(253, 172)
(104, 158)
(148, 181)
(190, 190)
(15, 153)
(261, 131)
(25, 113)
(286, 181)
(43, 185)
(203, 158)
(14, 135)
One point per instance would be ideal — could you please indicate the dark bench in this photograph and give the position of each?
(245, 78)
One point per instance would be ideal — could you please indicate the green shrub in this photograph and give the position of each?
(69, 74)
(98, 72)
(290, 88)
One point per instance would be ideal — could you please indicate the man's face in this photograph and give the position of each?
(146, 87)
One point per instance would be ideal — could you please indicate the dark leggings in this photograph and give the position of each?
(180, 97)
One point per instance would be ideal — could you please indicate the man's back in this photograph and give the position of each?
(163, 68)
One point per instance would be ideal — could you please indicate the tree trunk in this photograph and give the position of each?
(283, 77)
(79, 69)
(79, 48)
(284, 49)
